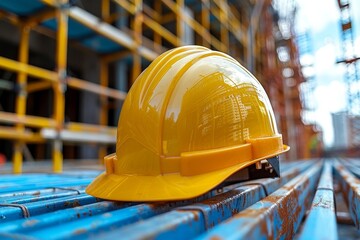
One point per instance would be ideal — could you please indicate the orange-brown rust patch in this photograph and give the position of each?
(76, 203)
(216, 238)
(30, 222)
(221, 198)
(37, 193)
(251, 213)
(196, 215)
(79, 231)
(264, 228)
(272, 198)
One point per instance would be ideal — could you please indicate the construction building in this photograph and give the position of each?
(66, 67)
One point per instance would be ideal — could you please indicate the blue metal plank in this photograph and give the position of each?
(30, 178)
(92, 221)
(81, 173)
(36, 208)
(103, 222)
(350, 187)
(42, 195)
(43, 185)
(41, 177)
(172, 225)
(60, 217)
(7, 197)
(276, 216)
(352, 166)
(42, 181)
(101, 44)
(22, 7)
(190, 221)
(322, 210)
(98, 223)
(75, 29)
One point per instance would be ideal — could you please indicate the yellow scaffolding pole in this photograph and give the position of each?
(157, 36)
(26, 120)
(205, 21)
(138, 20)
(52, 77)
(179, 22)
(110, 57)
(131, 8)
(10, 17)
(173, 39)
(59, 86)
(224, 19)
(35, 20)
(28, 69)
(38, 86)
(198, 28)
(12, 133)
(95, 88)
(21, 97)
(105, 10)
(84, 127)
(104, 76)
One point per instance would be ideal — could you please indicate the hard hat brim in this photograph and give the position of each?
(162, 187)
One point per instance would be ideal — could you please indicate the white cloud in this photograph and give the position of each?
(321, 19)
(357, 46)
(316, 14)
(325, 57)
(330, 92)
(330, 98)
(325, 65)
(307, 59)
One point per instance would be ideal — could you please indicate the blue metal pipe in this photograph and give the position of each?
(350, 187)
(36, 176)
(88, 223)
(40, 196)
(190, 221)
(60, 217)
(108, 219)
(322, 210)
(37, 208)
(276, 216)
(7, 197)
(42, 185)
(352, 166)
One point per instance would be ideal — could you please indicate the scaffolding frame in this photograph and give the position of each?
(153, 28)
(352, 75)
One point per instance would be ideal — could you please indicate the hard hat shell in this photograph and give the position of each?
(192, 118)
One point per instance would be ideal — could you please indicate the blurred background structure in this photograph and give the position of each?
(65, 68)
(351, 123)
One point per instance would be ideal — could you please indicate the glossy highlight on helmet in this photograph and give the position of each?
(192, 118)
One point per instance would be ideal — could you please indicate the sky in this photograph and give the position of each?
(320, 18)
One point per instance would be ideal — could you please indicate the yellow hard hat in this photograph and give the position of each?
(192, 118)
